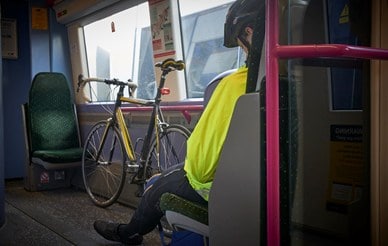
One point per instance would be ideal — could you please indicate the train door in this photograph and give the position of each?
(330, 107)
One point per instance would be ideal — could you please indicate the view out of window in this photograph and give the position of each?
(203, 32)
(113, 51)
(119, 46)
(346, 83)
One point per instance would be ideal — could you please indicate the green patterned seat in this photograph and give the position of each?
(51, 123)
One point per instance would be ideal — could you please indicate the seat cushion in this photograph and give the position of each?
(171, 202)
(59, 156)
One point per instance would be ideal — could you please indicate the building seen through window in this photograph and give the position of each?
(119, 46)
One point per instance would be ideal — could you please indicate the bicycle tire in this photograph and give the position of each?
(104, 178)
(173, 141)
(178, 135)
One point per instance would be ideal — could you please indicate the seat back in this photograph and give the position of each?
(52, 120)
(213, 84)
(234, 200)
(53, 146)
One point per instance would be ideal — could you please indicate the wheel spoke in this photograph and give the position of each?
(172, 148)
(104, 175)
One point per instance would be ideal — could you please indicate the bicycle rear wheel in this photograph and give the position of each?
(104, 175)
(172, 149)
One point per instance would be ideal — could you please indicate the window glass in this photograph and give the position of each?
(113, 51)
(346, 83)
(119, 46)
(205, 54)
(324, 131)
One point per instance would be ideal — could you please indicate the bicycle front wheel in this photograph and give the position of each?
(167, 150)
(104, 173)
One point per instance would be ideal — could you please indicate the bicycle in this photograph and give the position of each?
(109, 153)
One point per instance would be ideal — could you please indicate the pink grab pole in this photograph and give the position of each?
(272, 131)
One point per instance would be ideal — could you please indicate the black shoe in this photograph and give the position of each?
(110, 231)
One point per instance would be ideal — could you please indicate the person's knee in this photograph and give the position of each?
(150, 182)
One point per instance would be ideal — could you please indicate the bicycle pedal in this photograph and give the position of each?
(138, 181)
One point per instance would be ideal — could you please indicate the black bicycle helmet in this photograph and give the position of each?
(241, 14)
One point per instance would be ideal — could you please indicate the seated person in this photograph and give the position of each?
(193, 180)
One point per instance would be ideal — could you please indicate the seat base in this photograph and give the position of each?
(54, 166)
(179, 221)
(37, 178)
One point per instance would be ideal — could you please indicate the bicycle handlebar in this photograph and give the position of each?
(82, 80)
(166, 66)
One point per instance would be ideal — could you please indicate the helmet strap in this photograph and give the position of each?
(247, 45)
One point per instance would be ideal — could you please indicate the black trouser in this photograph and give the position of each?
(148, 213)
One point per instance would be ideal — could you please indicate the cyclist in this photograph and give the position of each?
(193, 180)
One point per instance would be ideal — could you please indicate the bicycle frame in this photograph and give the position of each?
(109, 162)
(118, 119)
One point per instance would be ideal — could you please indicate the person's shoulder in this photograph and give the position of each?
(242, 71)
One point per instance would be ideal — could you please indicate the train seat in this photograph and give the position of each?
(211, 86)
(183, 214)
(211, 222)
(53, 146)
(238, 190)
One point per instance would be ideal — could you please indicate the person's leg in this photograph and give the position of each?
(148, 213)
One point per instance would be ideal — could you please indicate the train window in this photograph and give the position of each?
(325, 171)
(120, 46)
(205, 55)
(346, 83)
(113, 51)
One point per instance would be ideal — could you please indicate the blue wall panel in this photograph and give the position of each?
(15, 85)
(60, 55)
(39, 51)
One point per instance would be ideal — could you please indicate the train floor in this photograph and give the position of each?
(58, 217)
(65, 217)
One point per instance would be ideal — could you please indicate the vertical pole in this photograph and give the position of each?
(272, 123)
(2, 192)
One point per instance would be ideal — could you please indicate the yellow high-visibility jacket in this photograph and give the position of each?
(205, 143)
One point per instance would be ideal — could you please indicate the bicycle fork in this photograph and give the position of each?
(102, 143)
